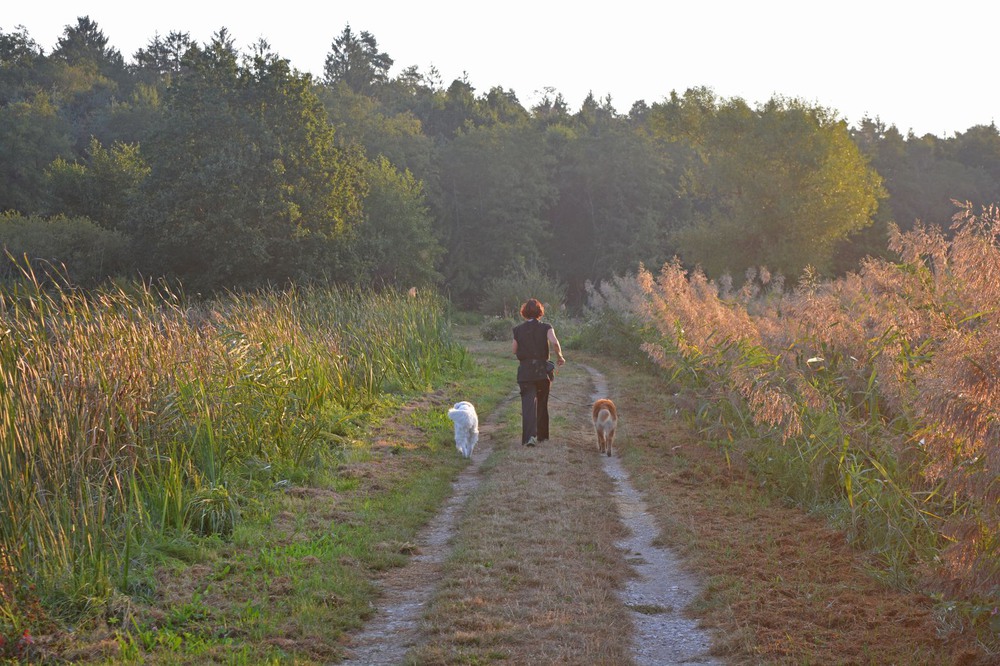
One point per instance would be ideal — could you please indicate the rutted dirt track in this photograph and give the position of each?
(406, 592)
(661, 589)
(542, 555)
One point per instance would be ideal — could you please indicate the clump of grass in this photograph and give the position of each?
(212, 510)
(132, 411)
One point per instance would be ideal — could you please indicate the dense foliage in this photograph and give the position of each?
(232, 169)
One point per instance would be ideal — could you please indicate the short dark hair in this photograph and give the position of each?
(532, 309)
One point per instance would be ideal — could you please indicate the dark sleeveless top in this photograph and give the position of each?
(532, 339)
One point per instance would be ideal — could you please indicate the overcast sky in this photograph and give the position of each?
(925, 67)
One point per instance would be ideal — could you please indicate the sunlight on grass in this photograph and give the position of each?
(133, 415)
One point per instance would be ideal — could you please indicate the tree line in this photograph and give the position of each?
(230, 169)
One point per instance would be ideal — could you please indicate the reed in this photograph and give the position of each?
(132, 411)
(872, 397)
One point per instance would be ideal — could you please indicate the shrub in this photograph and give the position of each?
(85, 252)
(498, 328)
(503, 296)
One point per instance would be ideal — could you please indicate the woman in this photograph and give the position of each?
(532, 340)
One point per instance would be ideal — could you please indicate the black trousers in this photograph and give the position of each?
(535, 409)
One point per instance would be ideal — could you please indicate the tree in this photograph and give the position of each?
(395, 243)
(617, 201)
(363, 120)
(502, 106)
(20, 60)
(552, 108)
(84, 45)
(781, 185)
(923, 175)
(88, 78)
(247, 184)
(356, 61)
(102, 187)
(163, 58)
(453, 110)
(32, 135)
(978, 148)
(494, 187)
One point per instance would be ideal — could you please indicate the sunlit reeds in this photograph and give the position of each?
(131, 411)
(874, 397)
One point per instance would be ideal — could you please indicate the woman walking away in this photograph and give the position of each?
(532, 340)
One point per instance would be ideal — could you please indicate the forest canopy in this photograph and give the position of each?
(232, 170)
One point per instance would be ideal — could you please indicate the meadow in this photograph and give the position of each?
(138, 426)
(185, 479)
(871, 399)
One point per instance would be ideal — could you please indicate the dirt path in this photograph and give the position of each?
(661, 589)
(405, 592)
(542, 555)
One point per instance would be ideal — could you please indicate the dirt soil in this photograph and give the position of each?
(663, 554)
(543, 555)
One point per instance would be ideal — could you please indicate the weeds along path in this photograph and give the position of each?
(405, 592)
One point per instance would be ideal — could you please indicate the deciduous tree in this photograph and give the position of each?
(781, 185)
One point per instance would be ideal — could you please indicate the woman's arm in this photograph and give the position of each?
(554, 343)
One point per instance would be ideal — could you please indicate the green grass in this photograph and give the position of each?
(301, 575)
(145, 437)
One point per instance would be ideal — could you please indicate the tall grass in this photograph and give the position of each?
(873, 397)
(129, 411)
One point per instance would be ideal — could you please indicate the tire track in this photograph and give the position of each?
(394, 629)
(661, 590)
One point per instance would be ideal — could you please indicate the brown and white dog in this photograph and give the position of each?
(605, 424)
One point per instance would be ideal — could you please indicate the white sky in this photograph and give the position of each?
(925, 67)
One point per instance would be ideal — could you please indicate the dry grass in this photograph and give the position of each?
(535, 572)
(782, 587)
(872, 397)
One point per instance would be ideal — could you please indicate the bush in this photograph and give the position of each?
(498, 328)
(76, 247)
(504, 295)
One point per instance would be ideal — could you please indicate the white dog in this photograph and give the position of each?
(466, 427)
